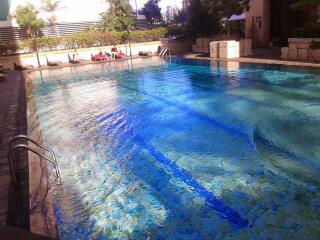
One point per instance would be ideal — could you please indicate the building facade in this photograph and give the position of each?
(4, 9)
(271, 22)
(171, 12)
(70, 18)
(185, 5)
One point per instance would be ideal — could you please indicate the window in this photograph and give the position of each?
(259, 21)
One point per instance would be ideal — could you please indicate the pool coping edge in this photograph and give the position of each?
(42, 217)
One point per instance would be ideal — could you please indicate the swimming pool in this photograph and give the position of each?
(183, 149)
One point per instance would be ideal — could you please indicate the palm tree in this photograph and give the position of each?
(51, 6)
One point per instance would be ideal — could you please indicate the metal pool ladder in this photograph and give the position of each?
(12, 149)
(165, 52)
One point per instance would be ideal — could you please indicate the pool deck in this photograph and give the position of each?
(13, 122)
(87, 62)
(270, 61)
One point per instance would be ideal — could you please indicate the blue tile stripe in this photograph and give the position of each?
(225, 212)
(211, 201)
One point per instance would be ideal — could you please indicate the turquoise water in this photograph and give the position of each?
(183, 150)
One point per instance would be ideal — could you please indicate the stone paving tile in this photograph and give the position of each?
(12, 98)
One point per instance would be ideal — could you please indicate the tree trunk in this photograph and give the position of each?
(318, 14)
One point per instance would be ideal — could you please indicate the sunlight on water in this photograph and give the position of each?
(184, 150)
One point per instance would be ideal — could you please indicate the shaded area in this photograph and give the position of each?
(10, 233)
(18, 207)
(14, 202)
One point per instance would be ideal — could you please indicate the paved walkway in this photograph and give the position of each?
(13, 203)
(9, 233)
(257, 60)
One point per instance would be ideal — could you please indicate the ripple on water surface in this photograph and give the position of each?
(179, 150)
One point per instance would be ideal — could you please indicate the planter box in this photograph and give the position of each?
(225, 49)
(303, 54)
(245, 47)
(214, 49)
(284, 53)
(299, 49)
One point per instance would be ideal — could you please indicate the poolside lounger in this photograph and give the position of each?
(53, 63)
(3, 77)
(142, 53)
(121, 54)
(4, 70)
(22, 67)
(73, 60)
(98, 57)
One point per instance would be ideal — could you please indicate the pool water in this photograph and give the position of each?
(183, 149)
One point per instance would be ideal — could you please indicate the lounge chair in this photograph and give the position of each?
(22, 67)
(98, 57)
(142, 53)
(121, 54)
(74, 60)
(4, 70)
(107, 55)
(3, 77)
(53, 63)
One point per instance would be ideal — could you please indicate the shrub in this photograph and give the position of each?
(177, 30)
(307, 32)
(93, 39)
(28, 45)
(8, 48)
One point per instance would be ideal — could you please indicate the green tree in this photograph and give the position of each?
(205, 15)
(51, 6)
(181, 17)
(118, 17)
(226, 8)
(28, 20)
(201, 21)
(152, 11)
(313, 8)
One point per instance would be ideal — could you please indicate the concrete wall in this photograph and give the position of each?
(260, 34)
(178, 46)
(202, 44)
(82, 53)
(5, 24)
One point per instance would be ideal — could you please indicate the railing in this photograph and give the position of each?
(12, 149)
(164, 52)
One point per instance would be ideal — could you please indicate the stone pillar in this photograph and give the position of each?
(258, 23)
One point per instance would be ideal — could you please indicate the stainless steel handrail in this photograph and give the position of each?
(167, 52)
(34, 142)
(164, 51)
(23, 146)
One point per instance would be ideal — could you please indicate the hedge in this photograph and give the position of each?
(84, 40)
